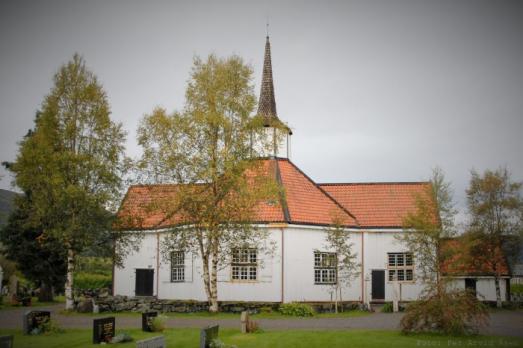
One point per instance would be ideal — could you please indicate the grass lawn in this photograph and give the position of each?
(272, 315)
(291, 339)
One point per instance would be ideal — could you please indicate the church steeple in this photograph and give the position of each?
(267, 103)
(275, 128)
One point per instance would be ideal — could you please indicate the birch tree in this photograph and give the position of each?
(427, 229)
(338, 241)
(72, 163)
(496, 208)
(207, 149)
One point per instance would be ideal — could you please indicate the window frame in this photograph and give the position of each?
(325, 268)
(400, 264)
(244, 265)
(179, 267)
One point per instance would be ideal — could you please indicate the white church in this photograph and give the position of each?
(299, 268)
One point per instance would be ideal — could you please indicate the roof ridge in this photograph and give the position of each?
(374, 183)
(322, 190)
(283, 198)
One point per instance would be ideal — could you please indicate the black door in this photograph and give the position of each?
(378, 284)
(470, 284)
(144, 282)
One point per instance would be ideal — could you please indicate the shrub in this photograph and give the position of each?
(91, 281)
(387, 307)
(516, 288)
(158, 323)
(297, 309)
(454, 312)
(265, 309)
(48, 326)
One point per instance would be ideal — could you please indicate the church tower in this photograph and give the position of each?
(276, 129)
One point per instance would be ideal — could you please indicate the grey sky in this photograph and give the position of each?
(374, 90)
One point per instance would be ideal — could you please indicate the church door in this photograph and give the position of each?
(144, 282)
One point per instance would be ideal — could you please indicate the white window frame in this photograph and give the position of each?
(244, 265)
(325, 270)
(400, 265)
(177, 266)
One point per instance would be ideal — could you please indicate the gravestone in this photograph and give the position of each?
(6, 341)
(207, 335)
(153, 342)
(245, 321)
(103, 330)
(147, 319)
(33, 320)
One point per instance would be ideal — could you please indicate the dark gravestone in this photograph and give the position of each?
(34, 319)
(153, 342)
(103, 330)
(207, 335)
(6, 341)
(147, 319)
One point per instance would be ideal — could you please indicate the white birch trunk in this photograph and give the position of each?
(69, 297)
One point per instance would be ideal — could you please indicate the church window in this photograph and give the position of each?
(400, 267)
(244, 264)
(325, 268)
(177, 266)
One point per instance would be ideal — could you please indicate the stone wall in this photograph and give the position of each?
(142, 304)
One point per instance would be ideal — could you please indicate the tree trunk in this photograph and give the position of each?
(498, 293)
(206, 278)
(69, 297)
(46, 293)
(214, 284)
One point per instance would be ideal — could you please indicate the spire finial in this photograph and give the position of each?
(267, 26)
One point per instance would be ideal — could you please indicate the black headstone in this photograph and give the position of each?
(147, 319)
(6, 341)
(103, 330)
(207, 335)
(34, 319)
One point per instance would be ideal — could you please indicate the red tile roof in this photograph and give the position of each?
(304, 202)
(377, 204)
(307, 202)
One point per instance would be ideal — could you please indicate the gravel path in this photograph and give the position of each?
(504, 323)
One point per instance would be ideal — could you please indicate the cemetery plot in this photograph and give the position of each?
(6, 341)
(207, 335)
(34, 320)
(147, 319)
(103, 330)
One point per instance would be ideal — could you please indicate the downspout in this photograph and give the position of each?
(158, 265)
(363, 294)
(282, 266)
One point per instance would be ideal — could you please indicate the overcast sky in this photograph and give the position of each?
(373, 90)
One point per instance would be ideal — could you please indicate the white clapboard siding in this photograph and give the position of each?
(224, 274)
(189, 269)
(265, 269)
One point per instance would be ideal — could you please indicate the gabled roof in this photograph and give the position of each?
(379, 205)
(303, 202)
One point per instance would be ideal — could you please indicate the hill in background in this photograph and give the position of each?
(6, 204)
